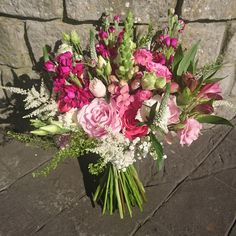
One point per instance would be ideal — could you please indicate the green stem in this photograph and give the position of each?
(107, 187)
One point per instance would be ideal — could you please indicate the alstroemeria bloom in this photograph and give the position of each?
(190, 132)
(174, 111)
(96, 117)
(210, 89)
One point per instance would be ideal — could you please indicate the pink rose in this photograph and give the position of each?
(130, 126)
(142, 56)
(190, 132)
(97, 116)
(174, 111)
(160, 70)
(49, 66)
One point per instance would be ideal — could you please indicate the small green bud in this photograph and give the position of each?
(52, 129)
(101, 62)
(39, 132)
(149, 80)
(108, 69)
(160, 82)
(74, 38)
(66, 37)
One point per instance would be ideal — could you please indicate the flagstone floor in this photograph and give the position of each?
(195, 194)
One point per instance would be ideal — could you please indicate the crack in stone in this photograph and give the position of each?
(205, 20)
(231, 226)
(18, 17)
(178, 7)
(177, 186)
(222, 182)
(22, 176)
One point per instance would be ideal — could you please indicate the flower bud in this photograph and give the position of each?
(39, 132)
(74, 37)
(135, 84)
(51, 129)
(97, 88)
(149, 80)
(101, 62)
(160, 83)
(108, 69)
(113, 78)
(64, 48)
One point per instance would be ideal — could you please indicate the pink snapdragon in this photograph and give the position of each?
(168, 41)
(190, 132)
(96, 117)
(103, 34)
(142, 56)
(65, 63)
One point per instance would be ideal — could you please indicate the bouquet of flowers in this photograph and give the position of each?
(120, 99)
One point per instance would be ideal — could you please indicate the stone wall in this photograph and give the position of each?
(27, 25)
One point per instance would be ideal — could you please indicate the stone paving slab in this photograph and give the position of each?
(193, 195)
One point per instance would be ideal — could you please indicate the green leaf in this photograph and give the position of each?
(213, 80)
(45, 54)
(177, 58)
(158, 149)
(184, 97)
(152, 113)
(93, 53)
(210, 119)
(188, 57)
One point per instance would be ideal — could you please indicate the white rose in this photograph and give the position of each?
(97, 88)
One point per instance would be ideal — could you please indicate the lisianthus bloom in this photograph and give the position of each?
(142, 56)
(160, 70)
(97, 88)
(96, 117)
(71, 96)
(49, 66)
(211, 90)
(190, 132)
(65, 63)
(130, 125)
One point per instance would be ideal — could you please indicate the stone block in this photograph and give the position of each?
(144, 11)
(205, 9)
(13, 50)
(30, 8)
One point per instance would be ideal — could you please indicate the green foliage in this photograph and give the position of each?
(125, 51)
(210, 119)
(44, 143)
(78, 145)
(97, 168)
(184, 97)
(146, 39)
(179, 54)
(158, 149)
(93, 53)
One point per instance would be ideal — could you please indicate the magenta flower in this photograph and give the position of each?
(65, 63)
(102, 50)
(117, 18)
(204, 108)
(103, 34)
(97, 116)
(190, 132)
(49, 66)
(159, 58)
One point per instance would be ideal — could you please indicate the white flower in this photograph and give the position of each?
(97, 88)
(64, 48)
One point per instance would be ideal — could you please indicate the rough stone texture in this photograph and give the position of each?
(144, 11)
(29, 8)
(205, 9)
(13, 50)
(41, 33)
(211, 36)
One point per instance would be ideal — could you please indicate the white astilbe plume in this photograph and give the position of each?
(44, 106)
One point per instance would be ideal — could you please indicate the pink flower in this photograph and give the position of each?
(142, 56)
(190, 132)
(130, 125)
(102, 50)
(97, 116)
(65, 63)
(204, 108)
(122, 99)
(117, 18)
(160, 70)
(181, 26)
(103, 34)
(174, 111)
(208, 89)
(174, 87)
(159, 58)
(78, 69)
(142, 95)
(49, 66)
